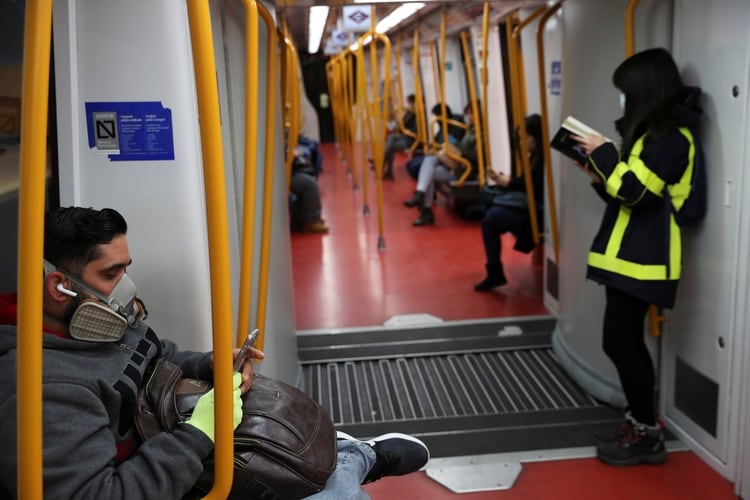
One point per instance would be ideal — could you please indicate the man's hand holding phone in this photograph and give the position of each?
(243, 360)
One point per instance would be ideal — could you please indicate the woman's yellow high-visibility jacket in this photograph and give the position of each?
(638, 248)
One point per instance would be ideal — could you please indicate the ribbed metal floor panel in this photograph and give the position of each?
(474, 384)
(463, 388)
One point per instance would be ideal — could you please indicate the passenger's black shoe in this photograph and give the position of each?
(642, 445)
(395, 455)
(416, 201)
(388, 175)
(425, 217)
(495, 278)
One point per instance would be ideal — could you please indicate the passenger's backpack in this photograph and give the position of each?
(693, 209)
(284, 448)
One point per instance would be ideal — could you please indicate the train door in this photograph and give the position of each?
(550, 86)
(703, 359)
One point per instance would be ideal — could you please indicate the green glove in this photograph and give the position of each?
(203, 414)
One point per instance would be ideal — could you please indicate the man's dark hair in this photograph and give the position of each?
(652, 86)
(72, 235)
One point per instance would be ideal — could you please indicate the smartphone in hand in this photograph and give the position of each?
(250, 342)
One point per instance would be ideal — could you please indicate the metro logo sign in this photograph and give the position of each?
(356, 18)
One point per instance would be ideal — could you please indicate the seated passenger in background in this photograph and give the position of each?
(316, 158)
(396, 140)
(455, 132)
(511, 212)
(96, 364)
(305, 208)
(433, 170)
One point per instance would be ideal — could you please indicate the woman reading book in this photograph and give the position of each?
(636, 253)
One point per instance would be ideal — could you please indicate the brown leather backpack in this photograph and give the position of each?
(284, 448)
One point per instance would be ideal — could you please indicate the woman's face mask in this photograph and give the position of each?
(622, 101)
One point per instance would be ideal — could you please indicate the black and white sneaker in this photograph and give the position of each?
(396, 454)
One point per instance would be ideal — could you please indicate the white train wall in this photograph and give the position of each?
(117, 55)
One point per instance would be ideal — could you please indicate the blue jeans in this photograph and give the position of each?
(354, 461)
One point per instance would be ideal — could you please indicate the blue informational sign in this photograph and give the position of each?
(130, 131)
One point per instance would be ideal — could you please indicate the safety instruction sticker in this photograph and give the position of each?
(555, 83)
(131, 131)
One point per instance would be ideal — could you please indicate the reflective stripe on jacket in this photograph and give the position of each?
(638, 248)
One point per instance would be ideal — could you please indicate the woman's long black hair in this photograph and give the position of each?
(652, 86)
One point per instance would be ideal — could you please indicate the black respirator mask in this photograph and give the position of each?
(102, 318)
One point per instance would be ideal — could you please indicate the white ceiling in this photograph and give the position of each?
(460, 14)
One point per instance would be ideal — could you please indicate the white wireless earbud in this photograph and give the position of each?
(61, 288)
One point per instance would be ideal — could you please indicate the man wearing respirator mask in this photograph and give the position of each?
(97, 351)
(96, 317)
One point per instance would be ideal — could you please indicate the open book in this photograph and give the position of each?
(564, 142)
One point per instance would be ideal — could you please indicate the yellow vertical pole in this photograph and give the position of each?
(441, 76)
(270, 145)
(363, 120)
(475, 111)
(655, 317)
(630, 27)
(34, 112)
(292, 104)
(218, 239)
(398, 89)
(355, 99)
(485, 85)
(521, 113)
(250, 170)
(379, 144)
(423, 137)
(435, 68)
(510, 24)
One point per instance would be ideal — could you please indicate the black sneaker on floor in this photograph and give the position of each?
(640, 446)
(396, 454)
